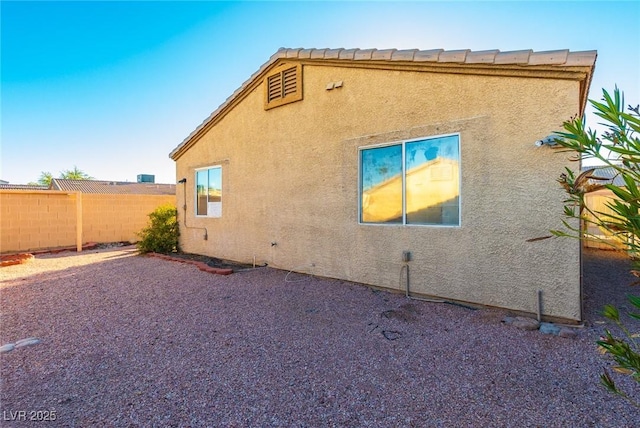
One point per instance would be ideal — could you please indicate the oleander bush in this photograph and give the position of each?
(617, 147)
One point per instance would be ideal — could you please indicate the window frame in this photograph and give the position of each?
(403, 144)
(195, 206)
(288, 98)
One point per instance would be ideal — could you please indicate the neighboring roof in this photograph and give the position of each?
(563, 59)
(113, 187)
(606, 172)
(8, 186)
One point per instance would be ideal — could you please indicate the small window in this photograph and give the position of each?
(283, 86)
(411, 182)
(209, 192)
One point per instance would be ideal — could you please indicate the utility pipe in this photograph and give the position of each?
(184, 209)
(408, 291)
(539, 305)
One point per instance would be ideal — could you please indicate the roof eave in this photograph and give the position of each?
(233, 99)
(583, 63)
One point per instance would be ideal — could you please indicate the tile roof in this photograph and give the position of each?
(113, 187)
(562, 57)
(9, 186)
(488, 58)
(607, 172)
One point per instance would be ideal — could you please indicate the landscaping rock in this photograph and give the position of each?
(567, 332)
(545, 327)
(27, 342)
(549, 328)
(203, 266)
(508, 320)
(524, 323)
(7, 348)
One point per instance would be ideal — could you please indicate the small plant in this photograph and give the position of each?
(618, 147)
(626, 353)
(161, 235)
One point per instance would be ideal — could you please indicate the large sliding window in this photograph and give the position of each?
(209, 192)
(411, 182)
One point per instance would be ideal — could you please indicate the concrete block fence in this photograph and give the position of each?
(36, 219)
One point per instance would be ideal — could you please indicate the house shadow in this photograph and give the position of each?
(607, 281)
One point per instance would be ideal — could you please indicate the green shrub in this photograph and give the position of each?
(161, 234)
(624, 351)
(617, 147)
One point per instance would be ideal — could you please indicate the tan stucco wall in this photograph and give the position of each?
(113, 218)
(33, 220)
(290, 176)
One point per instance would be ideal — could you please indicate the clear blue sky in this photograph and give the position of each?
(113, 87)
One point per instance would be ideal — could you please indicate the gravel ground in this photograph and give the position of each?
(137, 341)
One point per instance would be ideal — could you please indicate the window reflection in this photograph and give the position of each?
(432, 181)
(201, 186)
(209, 192)
(382, 185)
(431, 178)
(215, 185)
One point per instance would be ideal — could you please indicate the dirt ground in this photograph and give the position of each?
(127, 340)
(606, 280)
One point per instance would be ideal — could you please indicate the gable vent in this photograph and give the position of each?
(275, 87)
(283, 86)
(290, 81)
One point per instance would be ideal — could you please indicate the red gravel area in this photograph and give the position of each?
(140, 341)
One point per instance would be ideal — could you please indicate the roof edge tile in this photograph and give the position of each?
(305, 53)
(347, 53)
(333, 53)
(318, 53)
(481, 57)
(364, 54)
(382, 54)
(581, 58)
(404, 55)
(280, 53)
(513, 57)
(431, 55)
(558, 57)
(528, 57)
(454, 56)
(293, 53)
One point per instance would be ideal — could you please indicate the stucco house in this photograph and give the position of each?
(363, 164)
